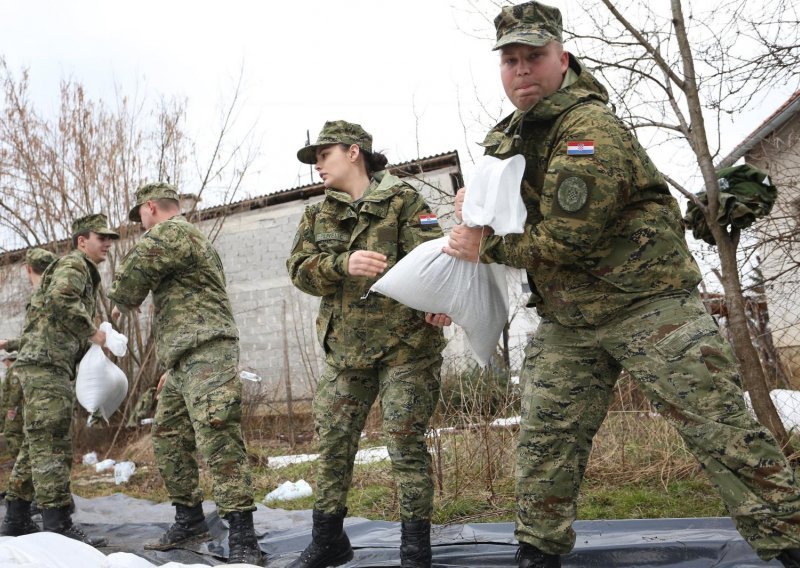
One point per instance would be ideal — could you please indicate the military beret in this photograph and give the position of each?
(336, 132)
(39, 259)
(156, 190)
(531, 23)
(96, 223)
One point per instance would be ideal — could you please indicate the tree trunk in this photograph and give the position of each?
(752, 373)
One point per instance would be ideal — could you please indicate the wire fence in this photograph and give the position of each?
(774, 330)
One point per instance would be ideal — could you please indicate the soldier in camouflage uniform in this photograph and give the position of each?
(373, 345)
(59, 324)
(36, 262)
(10, 406)
(197, 341)
(615, 285)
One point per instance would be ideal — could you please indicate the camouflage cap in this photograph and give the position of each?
(39, 259)
(96, 223)
(156, 190)
(531, 23)
(336, 132)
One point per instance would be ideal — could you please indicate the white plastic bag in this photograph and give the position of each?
(288, 490)
(475, 296)
(100, 384)
(104, 465)
(123, 471)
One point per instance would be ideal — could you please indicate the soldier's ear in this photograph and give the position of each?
(353, 152)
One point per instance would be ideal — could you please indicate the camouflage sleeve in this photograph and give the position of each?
(311, 269)
(419, 224)
(67, 283)
(160, 252)
(12, 344)
(580, 197)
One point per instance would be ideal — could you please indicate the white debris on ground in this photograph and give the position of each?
(123, 471)
(368, 455)
(90, 458)
(372, 455)
(51, 550)
(289, 490)
(104, 465)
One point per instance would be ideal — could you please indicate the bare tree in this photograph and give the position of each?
(90, 156)
(676, 79)
(677, 74)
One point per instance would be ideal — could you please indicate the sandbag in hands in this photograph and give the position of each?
(101, 386)
(475, 296)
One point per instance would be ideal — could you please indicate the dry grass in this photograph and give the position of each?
(635, 453)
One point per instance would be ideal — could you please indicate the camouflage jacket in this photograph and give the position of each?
(602, 230)
(60, 318)
(358, 330)
(178, 263)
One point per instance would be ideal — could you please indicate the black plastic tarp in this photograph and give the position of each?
(685, 543)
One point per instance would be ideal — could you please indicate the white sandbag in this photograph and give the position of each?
(100, 384)
(48, 550)
(493, 198)
(474, 295)
(115, 341)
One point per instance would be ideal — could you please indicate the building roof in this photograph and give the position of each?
(777, 119)
(402, 170)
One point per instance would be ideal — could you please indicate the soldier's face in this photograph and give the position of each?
(335, 165)
(95, 246)
(530, 74)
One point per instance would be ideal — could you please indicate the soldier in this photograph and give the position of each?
(8, 398)
(373, 345)
(197, 341)
(615, 285)
(36, 262)
(59, 324)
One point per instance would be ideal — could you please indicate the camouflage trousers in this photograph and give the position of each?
(673, 350)
(44, 462)
(408, 394)
(200, 407)
(12, 407)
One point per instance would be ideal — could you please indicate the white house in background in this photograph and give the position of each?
(775, 148)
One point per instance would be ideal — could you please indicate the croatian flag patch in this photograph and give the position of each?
(430, 219)
(580, 148)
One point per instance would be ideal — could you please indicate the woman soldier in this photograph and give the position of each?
(373, 345)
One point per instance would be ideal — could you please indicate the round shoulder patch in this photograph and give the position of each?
(572, 194)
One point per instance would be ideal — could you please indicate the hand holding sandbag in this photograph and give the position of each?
(101, 385)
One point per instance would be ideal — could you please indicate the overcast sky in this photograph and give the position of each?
(374, 62)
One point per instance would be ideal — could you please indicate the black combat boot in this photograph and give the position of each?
(329, 543)
(529, 556)
(60, 521)
(18, 519)
(242, 541)
(790, 558)
(189, 527)
(415, 544)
